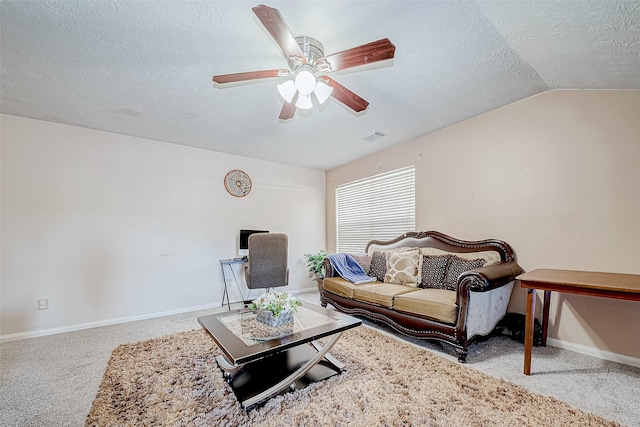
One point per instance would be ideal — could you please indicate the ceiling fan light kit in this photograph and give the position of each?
(322, 91)
(287, 90)
(304, 84)
(305, 80)
(309, 67)
(304, 102)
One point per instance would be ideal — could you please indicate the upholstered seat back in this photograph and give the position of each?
(268, 261)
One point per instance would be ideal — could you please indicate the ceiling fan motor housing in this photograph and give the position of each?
(312, 50)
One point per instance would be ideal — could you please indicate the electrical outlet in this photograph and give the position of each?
(43, 304)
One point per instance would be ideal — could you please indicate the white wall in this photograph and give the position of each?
(110, 227)
(555, 175)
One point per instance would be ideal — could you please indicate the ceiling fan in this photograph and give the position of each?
(309, 66)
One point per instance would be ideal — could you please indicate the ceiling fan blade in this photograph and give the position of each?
(279, 30)
(249, 75)
(361, 55)
(288, 110)
(345, 96)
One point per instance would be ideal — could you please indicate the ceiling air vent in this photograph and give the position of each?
(373, 136)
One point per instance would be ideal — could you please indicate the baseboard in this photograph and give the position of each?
(109, 322)
(595, 352)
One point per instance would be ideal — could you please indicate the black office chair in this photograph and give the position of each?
(268, 261)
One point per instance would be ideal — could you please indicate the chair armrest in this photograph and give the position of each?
(486, 278)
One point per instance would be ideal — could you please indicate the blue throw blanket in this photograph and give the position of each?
(349, 269)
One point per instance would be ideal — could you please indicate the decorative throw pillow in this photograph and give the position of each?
(433, 270)
(403, 268)
(363, 261)
(456, 267)
(378, 266)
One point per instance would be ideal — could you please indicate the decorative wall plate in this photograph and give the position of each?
(237, 183)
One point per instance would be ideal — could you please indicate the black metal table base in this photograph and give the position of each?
(255, 382)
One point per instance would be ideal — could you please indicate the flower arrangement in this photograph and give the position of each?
(276, 302)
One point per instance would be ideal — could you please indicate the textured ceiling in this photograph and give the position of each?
(144, 68)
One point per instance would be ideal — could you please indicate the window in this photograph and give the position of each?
(380, 207)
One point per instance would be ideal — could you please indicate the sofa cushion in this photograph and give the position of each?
(340, 286)
(378, 265)
(438, 304)
(380, 293)
(456, 267)
(403, 268)
(363, 261)
(433, 271)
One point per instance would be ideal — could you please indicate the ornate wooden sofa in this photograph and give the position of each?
(457, 311)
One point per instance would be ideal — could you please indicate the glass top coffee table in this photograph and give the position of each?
(260, 361)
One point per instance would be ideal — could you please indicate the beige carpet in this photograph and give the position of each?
(174, 381)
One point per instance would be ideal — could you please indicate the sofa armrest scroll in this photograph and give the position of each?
(486, 278)
(328, 268)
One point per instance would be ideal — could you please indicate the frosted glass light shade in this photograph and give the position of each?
(287, 90)
(304, 102)
(305, 82)
(322, 91)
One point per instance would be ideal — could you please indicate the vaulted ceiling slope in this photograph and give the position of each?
(144, 68)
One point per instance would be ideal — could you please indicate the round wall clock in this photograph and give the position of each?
(237, 183)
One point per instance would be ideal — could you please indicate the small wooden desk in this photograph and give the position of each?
(608, 285)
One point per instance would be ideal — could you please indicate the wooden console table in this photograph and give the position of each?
(608, 285)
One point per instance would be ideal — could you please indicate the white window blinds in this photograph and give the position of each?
(380, 207)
